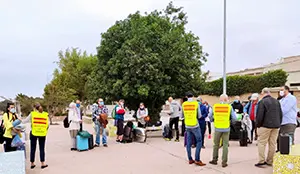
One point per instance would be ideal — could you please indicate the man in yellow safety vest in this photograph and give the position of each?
(222, 115)
(191, 113)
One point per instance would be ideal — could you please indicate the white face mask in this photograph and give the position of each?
(281, 93)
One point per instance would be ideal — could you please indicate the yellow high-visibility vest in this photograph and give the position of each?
(190, 109)
(39, 123)
(222, 116)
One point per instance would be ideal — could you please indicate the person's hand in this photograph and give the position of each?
(97, 117)
(80, 121)
(16, 130)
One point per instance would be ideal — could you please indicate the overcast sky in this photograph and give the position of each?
(33, 31)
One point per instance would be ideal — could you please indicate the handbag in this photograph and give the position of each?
(84, 134)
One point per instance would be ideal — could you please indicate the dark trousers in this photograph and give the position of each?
(33, 142)
(203, 129)
(182, 128)
(253, 130)
(7, 145)
(209, 127)
(175, 121)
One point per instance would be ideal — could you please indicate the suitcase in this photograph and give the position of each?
(82, 143)
(139, 135)
(91, 142)
(235, 130)
(284, 144)
(243, 138)
(185, 140)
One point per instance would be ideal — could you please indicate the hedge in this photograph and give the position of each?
(238, 85)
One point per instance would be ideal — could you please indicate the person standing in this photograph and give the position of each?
(209, 110)
(74, 121)
(268, 120)
(202, 122)
(175, 112)
(141, 115)
(288, 104)
(237, 105)
(182, 117)
(98, 111)
(39, 128)
(192, 112)
(120, 112)
(223, 113)
(251, 110)
(8, 118)
(79, 112)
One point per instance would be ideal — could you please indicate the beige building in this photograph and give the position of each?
(291, 65)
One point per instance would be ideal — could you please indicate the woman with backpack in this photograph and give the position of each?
(74, 124)
(8, 128)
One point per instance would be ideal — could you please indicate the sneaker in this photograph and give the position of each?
(177, 140)
(213, 162)
(224, 165)
(191, 161)
(203, 147)
(200, 163)
(167, 139)
(105, 145)
(96, 145)
(209, 136)
(73, 149)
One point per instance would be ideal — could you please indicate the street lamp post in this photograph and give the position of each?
(224, 50)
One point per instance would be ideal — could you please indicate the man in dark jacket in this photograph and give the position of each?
(237, 105)
(268, 121)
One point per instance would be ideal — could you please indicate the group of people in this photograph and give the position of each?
(268, 116)
(12, 126)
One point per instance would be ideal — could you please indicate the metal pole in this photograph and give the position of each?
(224, 50)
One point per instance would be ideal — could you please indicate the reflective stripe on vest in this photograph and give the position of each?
(222, 116)
(190, 113)
(39, 123)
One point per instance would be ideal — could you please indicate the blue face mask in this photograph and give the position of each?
(77, 105)
(13, 110)
(101, 103)
(236, 101)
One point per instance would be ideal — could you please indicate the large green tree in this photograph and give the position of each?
(69, 79)
(146, 58)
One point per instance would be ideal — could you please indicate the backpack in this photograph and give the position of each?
(113, 113)
(66, 122)
(128, 134)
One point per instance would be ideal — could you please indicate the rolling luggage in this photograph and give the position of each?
(82, 143)
(139, 135)
(235, 130)
(243, 138)
(91, 142)
(284, 144)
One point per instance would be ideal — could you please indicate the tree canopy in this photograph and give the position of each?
(147, 58)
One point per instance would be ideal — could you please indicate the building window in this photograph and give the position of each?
(295, 84)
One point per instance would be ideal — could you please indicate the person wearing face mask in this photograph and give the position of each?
(120, 112)
(9, 118)
(39, 128)
(98, 112)
(74, 120)
(289, 112)
(141, 114)
(251, 109)
(237, 105)
(202, 123)
(175, 113)
(79, 112)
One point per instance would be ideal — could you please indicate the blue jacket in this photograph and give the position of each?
(204, 113)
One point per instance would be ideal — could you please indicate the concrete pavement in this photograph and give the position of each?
(154, 157)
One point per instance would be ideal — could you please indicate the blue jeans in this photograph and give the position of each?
(99, 126)
(196, 132)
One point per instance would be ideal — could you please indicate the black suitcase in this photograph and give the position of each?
(128, 135)
(243, 138)
(284, 144)
(91, 142)
(235, 130)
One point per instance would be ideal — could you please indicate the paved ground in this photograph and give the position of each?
(154, 157)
